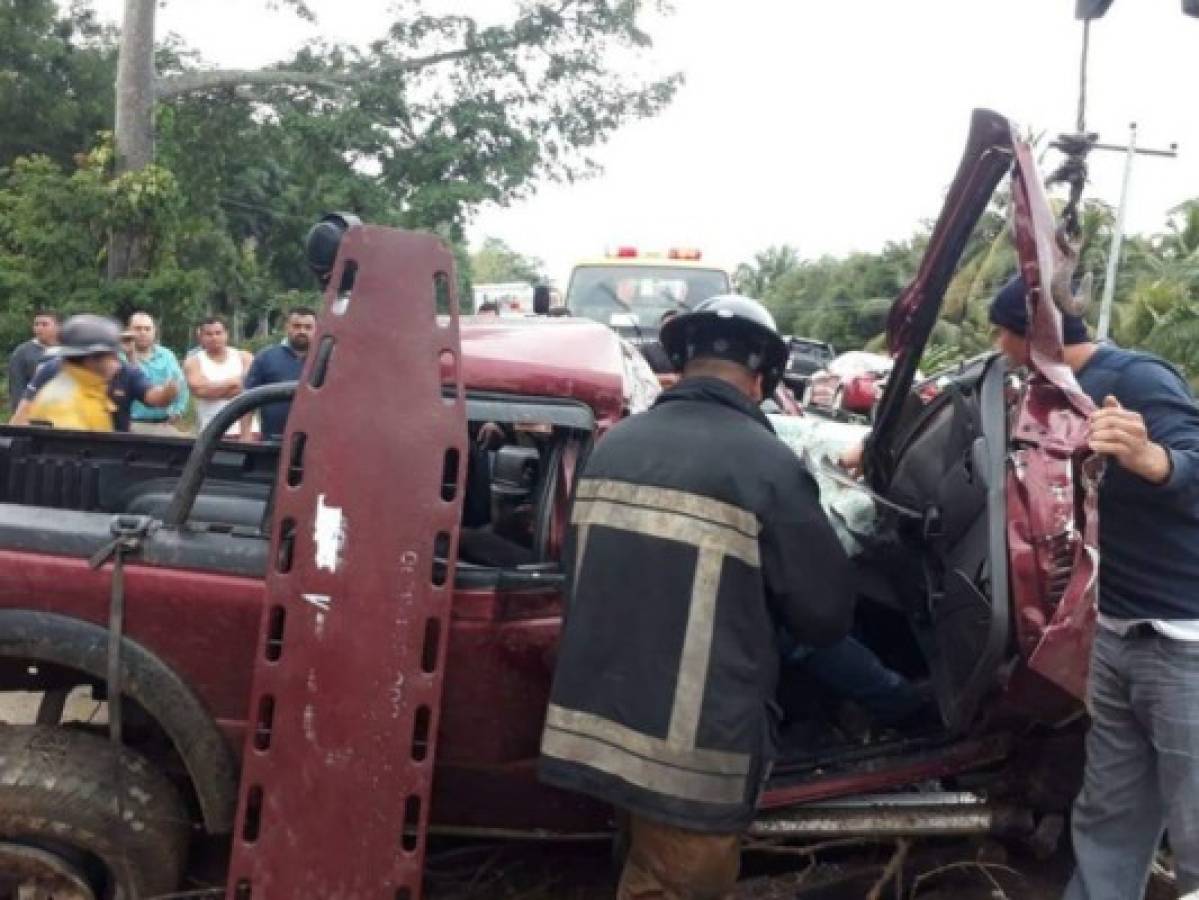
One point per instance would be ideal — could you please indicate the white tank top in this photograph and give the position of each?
(218, 371)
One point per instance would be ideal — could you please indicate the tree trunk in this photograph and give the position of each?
(235, 320)
(134, 120)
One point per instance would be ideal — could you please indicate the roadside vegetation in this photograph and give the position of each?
(439, 116)
(845, 300)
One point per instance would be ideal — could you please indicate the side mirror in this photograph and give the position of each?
(322, 244)
(541, 300)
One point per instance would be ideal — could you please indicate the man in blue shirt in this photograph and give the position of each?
(1142, 768)
(159, 366)
(282, 362)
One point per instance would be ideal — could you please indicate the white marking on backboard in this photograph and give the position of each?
(322, 602)
(329, 534)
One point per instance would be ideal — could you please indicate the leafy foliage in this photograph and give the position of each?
(440, 115)
(56, 76)
(497, 263)
(845, 301)
(1159, 306)
(757, 278)
(54, 226)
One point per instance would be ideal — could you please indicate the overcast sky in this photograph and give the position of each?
(832, 125)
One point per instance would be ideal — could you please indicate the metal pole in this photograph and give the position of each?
(1082, 77)
(1113, 259)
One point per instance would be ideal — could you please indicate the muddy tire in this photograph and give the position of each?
(58, 794)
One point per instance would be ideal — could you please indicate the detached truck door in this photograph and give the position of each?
(338, 765)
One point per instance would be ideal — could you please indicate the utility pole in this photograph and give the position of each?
(1074, 170)
(1113, 258)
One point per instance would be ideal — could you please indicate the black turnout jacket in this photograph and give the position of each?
(695, 533)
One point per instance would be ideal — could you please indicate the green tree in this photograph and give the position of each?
(54, 224)
(440, 116)
(843, 301)
(450, 113)
(755, 279)
(1160, 311)
(495, 263)
(56, 75)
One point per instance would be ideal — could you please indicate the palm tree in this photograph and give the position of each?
(755, 279)
(1162, 311)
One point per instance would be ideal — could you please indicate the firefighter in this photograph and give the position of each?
(696, 534)
(78, 397)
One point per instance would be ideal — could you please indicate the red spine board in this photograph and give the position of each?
(334, 799)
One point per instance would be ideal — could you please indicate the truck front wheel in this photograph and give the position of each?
(63, 832)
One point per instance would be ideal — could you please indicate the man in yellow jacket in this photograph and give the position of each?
(77, 398)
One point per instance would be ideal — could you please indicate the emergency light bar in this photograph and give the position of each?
(685, 254)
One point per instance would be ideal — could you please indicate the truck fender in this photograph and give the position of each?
(76, 644)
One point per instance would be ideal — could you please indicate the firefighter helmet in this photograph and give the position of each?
(729, 327)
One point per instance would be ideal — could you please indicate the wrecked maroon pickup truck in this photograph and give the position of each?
(326, 650)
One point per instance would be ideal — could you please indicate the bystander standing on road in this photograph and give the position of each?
(159, 366)
(77, 397)
(28, 356)
(663, 693)
(1142, 767)
(282, 362)
(216, 374)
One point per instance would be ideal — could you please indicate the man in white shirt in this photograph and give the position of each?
(216, 375)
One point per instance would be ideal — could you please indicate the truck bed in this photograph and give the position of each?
(59, 491)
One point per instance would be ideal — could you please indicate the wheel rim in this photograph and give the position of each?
(31, 873)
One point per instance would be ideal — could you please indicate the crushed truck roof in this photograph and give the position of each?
(545, 357)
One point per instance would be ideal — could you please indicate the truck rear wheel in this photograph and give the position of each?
(61, 833)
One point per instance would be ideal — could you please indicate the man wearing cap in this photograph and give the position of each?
(130, 385)
(1142, 767)
(23, 363)
(77, 397)
(683, 567)
(160, 367)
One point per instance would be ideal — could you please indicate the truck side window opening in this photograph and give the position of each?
(500, 511)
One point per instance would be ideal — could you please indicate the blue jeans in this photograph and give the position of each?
(1142, 770)
(850, 670)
